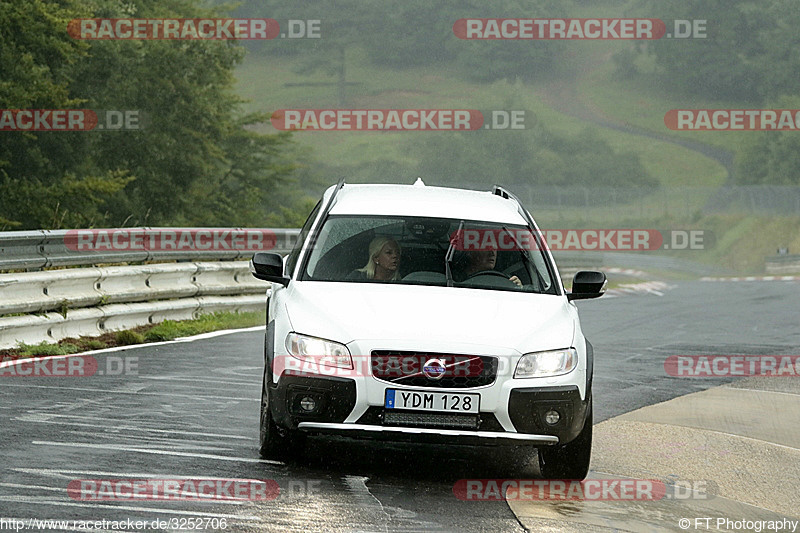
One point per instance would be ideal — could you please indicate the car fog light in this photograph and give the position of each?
(308, 404)
(552, 417)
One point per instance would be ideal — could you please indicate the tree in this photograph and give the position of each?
(195, 149)
(748, 54)
(771, 157)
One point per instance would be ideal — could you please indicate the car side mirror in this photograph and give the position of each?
(268, 266)
(587, 284)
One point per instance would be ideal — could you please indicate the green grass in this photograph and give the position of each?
(171, 329)
(167, 330)
(643, 102)
(261, 79)
(744, 241)
(740, 242)
(45, 348)
(128, 336)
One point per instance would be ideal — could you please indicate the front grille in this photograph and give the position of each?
(406, 368)
(439, 420)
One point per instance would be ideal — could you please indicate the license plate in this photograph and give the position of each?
(448, 402)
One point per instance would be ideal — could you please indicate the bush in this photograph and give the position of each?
(95, 344)
(45, 348)
(166, 331)
(126, 337)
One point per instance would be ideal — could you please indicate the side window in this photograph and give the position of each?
(291, 261)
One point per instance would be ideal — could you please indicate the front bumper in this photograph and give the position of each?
(427, 434)
(337, 399)
(527, 407)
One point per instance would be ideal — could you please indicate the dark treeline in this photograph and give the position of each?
(194, 162)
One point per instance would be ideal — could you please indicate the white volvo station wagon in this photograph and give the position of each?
(430, 314)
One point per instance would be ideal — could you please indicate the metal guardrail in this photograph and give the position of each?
(94, 321)
(782, 264)
(92, 301)
(34, 250)
(73, 302)
(36, 292)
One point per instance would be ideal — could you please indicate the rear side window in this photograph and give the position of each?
(291, 261)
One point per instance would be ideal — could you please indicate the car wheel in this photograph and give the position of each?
(275, 442)
(570, 461)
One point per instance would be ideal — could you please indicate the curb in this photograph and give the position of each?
(755, 278)
(647, 287)
(4, 363)
(737, 437)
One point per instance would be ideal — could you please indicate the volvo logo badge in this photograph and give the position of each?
(434, 369)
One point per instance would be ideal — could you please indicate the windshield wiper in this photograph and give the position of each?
(448, 257)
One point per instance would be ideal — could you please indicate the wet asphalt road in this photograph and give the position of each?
(191, 411)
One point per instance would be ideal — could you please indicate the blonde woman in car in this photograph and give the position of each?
(383, 263)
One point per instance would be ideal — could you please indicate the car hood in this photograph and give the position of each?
(447, 316)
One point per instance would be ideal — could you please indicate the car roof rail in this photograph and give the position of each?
(499, 190)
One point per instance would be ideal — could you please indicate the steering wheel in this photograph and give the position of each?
(489, 273)
(493, 274)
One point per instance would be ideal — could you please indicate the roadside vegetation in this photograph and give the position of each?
(163, 331)
(194, 162)
(208, 155)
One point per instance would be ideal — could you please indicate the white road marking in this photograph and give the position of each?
(118, 447)
(202, 498)
(195, 380)
(37, 501)
(202, 336)
(171, 444)
(67, 474)
(767, 391)
(186, 396)
(753, 278)
(32, 418)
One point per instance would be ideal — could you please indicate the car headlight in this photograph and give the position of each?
(552, 363)
(319, 351)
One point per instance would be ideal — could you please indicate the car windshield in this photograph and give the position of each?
(429, 251)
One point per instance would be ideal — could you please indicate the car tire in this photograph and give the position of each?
(275, 442)
(270, 442)
(570, 461)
